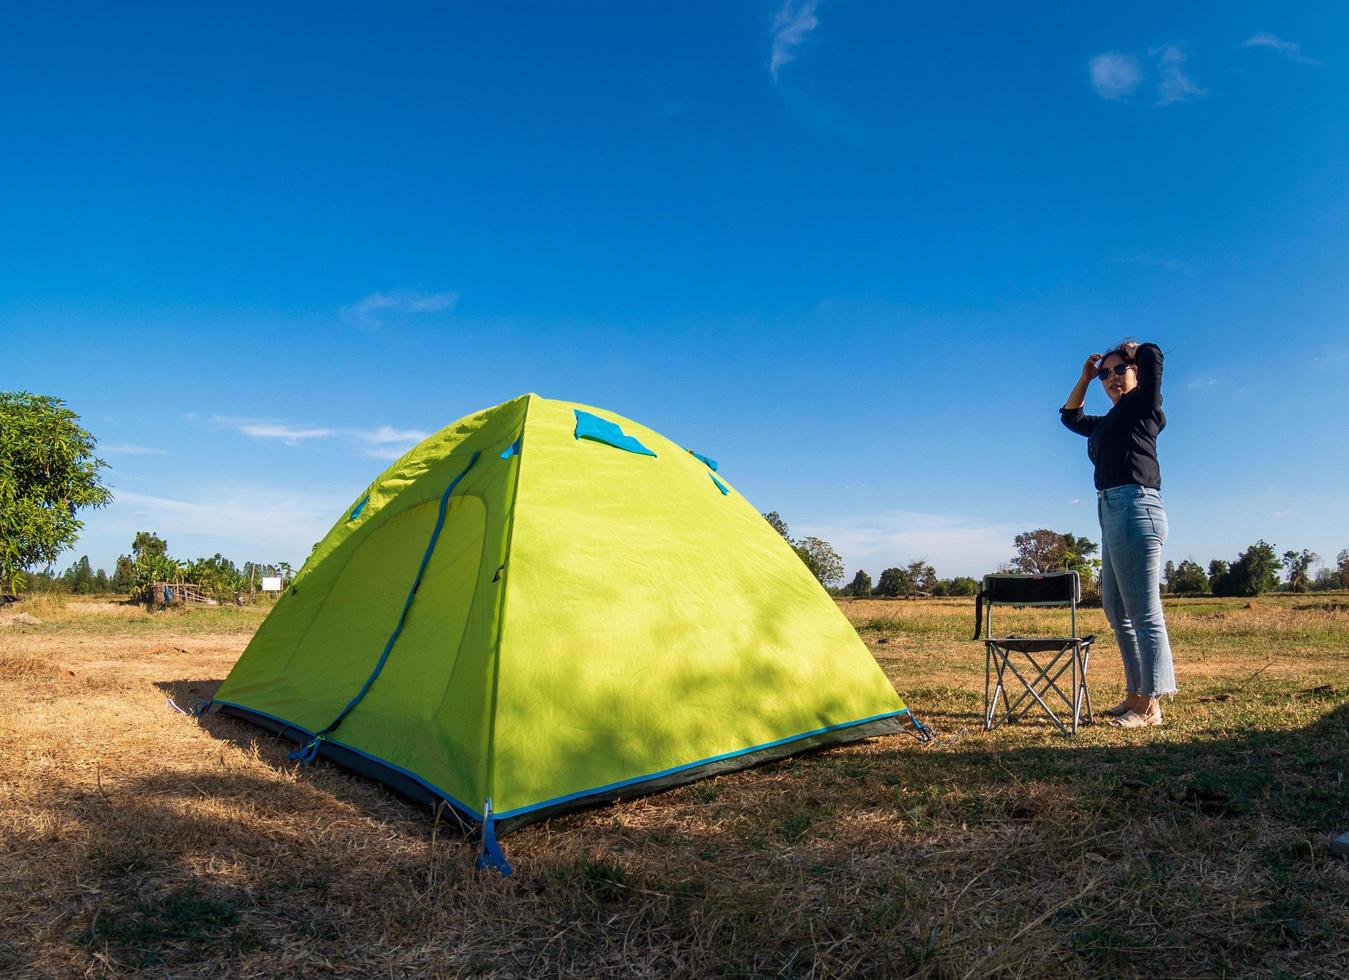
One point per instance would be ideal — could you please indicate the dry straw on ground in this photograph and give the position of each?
(135, 840)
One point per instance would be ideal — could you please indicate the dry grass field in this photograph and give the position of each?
(135, 840)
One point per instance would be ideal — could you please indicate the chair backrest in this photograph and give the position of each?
(1051, 589)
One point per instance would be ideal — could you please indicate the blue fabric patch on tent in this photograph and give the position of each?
(707, 461)
(356, 511)
(512, 450)
(720, 486)
(601, 430)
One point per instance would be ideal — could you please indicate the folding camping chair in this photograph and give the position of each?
(1046, 659)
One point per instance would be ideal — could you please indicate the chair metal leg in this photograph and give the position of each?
(1035, 694)
(1086, 691)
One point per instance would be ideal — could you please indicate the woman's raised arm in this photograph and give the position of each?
(1078, 396)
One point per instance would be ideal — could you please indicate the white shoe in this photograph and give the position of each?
(1132, 719)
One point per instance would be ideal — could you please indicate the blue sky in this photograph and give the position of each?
(856, 251)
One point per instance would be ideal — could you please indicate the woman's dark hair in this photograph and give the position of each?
(1119, 351)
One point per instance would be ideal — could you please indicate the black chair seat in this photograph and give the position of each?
(1038, 644)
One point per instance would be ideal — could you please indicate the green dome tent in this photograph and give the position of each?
(545, 605)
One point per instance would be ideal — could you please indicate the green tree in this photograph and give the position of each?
(1298, 564)
(821, 558)
(151, 563)
(962, 585)
(79, 577)
(1189, 578)
(1218, 572)
(1342, 567)
(48, 473)
(1043, 550)
(1255, 571)
(124, 575)
(893, 582)
(101, 586)
(1168, 576)
(922, 575)
(217, 575)
(860, 586)
(150, 544)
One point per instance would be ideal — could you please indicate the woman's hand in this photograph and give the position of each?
(1090, 367)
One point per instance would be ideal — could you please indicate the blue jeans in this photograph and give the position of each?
(1133, 530)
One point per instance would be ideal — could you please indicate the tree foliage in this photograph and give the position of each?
(48, 473)
(860, 586)
(894, 582)
(961, 585)
(821, 558)
(1298, 566)
(1043, 550)
(1256, 570)
(1187, 577)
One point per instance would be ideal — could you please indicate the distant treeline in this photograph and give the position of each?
(149, 562)
(1258, 569)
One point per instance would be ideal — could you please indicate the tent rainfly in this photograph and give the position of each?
(545, 606)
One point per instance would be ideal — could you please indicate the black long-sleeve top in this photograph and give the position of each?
(1123, 442)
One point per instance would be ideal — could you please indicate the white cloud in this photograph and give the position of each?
(368, 311)
(793, 22)
(244, 522)
(1117, 75)
(1175, 85)
(127, 449)
(956, 544)
(1287, 49)
(382, 442)
(1114, 75)
(387, 442)
(270, 429)
(387, 433)
(1196, 384)
(287, 433)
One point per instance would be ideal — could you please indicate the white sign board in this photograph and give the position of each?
(271, 583)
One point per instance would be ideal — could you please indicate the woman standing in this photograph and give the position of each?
(1122, 444)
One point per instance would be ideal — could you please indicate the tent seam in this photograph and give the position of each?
(489, 776)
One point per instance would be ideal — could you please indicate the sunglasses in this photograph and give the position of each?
(1118, 370)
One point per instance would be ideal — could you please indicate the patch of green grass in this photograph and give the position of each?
(797, 824)
(600, 876)
(139, 935)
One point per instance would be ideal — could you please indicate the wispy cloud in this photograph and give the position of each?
(370, 311)
(1118, 75)
(270, 429)
(127, 449)
(1175, 85)
(956, 544)
(381, 442)
(387, 442)
(1198, 384)
(248, 522)
(1114, 75)
(794, 20)
(1286, 49)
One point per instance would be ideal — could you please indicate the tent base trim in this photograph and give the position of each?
(848, 731)
(405, 783)
(416, 788)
